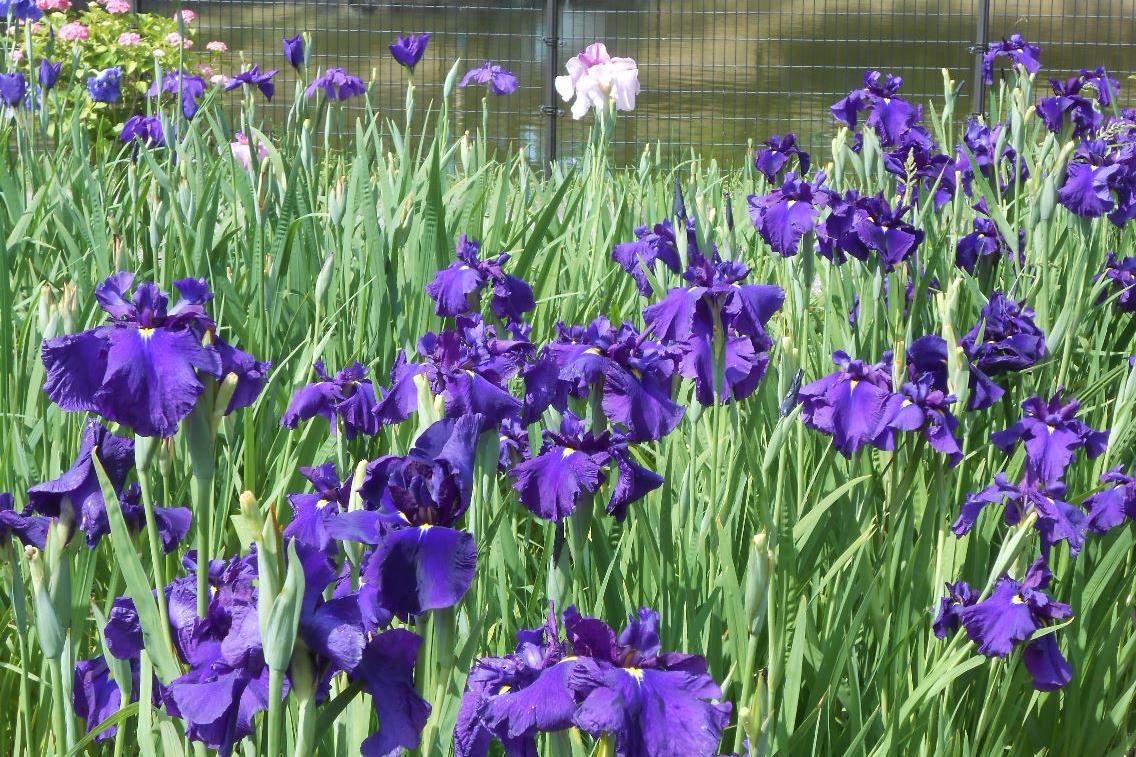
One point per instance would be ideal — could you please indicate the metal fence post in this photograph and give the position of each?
(550, 109)
(979, 48)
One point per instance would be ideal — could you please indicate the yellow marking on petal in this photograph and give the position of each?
(403, 516)
(854, 383)
(592, 351)
(322, 503)
(635, 673)
(146, 333)
(425, 527)
(568, 451)
(570, 658)
(791, 203)
(505, 689)
(1017, 600)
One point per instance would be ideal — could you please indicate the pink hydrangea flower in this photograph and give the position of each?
(188, 17)
(242, 151)
(173, 39)
(219, 80)
(57, 6)
(129, 39)
(17, 55)
(217, 46)
(117, 7)
(74, 32)
(595, 77)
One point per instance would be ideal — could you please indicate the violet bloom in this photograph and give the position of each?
(651, 244)
(1120, 277)
(890, 116)
(775, 156)
(928, 355)
(1107, 88)
(386, 672)
(499, 81)
(985, 245)
(421, 562)
(337, 84)
(48, 74)
(1069, 106)
(106, 85)
(983, 142)
(1017, 50)
(1011, 615)
(1010, 340)
(190, 88)
(850, 405)
(785, 215)
(145, 129)
(253, 78)
(172, 522)
(650, 701)
(921, 406)
(1051, 434)
(634, 373)
(20, 10)
(348, 399)
(408, 50)
(574, 463)
(1057, 520)
(1109, 508)
(31, 530)
(13, 88)
(96, 696)
(77, 492)
(927, 167)
(959, 595)
(1093, 181)
(457, 290)
(315, 516)
(144, 368)
(294, 52)
(469, 367)
(883, 230)
(720, 325)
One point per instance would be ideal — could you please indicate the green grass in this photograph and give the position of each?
(807, 580)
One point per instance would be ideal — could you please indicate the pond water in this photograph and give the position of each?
(714, 73)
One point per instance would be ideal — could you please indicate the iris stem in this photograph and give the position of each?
(20, 613)
(306, 727)
(58, 714)
(275, 710)
(202, 490)
(155, 552)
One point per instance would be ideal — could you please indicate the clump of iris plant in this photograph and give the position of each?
(620, 687)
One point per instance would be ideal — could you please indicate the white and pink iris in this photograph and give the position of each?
(594, 78)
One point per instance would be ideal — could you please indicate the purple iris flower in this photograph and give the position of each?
(31, 530)
(337, 84)
(1057, 520)
(1120, 276)
(386, 672)
(927, 167)
(456, 290)
(1110, 507)
(921, 406)
(408, 50)
(857, 226)
(1010, 340)
(850, 405)
(1051, 433)
(574, 463)
(1069, 103)
(172, 522)
(635, 375)
(144, 368)
(13, 88)
(294, 50)
(1106, 86)
(348, 398)
(191, 89)
(1011, 615)
(513, 443)
(20, 10)
(469, 366)
(253, 78)
(106, 85)
(928, 355)
(778, 150)
(421, 562)
(96, 696)
(785, 215)
(959, 595)
(145, 129)
(48, 74)
(499, 81)
(983, 143)
(651, 244)
(79, 488)
(1090, 181)
(1017, 50)
(890, 116)
(985, 245)
(720, 325)
(316, 518)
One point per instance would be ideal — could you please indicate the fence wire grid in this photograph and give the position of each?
(715, 73)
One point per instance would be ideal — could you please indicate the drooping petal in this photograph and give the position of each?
(387, 673)
(1045, 663)
(417, 569)
(75, 367)
(551, 483)
(999, 622)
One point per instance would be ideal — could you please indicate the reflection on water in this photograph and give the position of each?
(715, 73)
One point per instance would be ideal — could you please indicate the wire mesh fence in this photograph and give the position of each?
(715, 73)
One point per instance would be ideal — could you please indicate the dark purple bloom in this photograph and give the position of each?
(144, 368)
(252, 374)
(785, 215)
(852, 405)
(651, 244)
(13, 87)
(145, 129)
(1017, 50)
(959, 595)
(254, 78)
(920, 406)
(926, 166)
(928, 355)
(294, 50)
(574, 463)
(1106, 86)
(882, 229)
(106, 85)
(29, 529)
(20, 10)
(79, 487)
(347, 399)
(1057, 520)
(499, 81)
(408, 50)
(1088, 189)
(1120, 276)
(96, 696)
(421, 562)
(457, 289)
(1005, 339)
(1051, 434)
(48, 74)
(890, 116)
(1069, 103)
(776, 154)
(984, 244)
(315, 516)
(387, 674)
(337, 84)
(178, 83)
(172, 522)
(1110, 507)
(986, 150)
